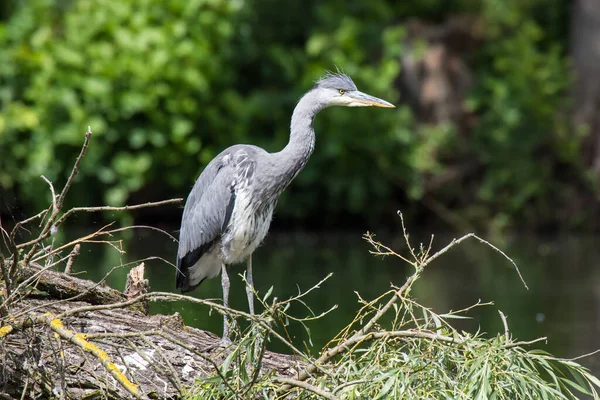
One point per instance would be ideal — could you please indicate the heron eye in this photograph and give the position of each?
(342, 91)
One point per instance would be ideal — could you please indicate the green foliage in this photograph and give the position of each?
(166, 86)
(142, 73)
(521, 101)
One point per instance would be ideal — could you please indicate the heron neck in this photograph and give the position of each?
(302, 137)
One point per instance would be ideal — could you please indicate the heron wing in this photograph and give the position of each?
(208, 209)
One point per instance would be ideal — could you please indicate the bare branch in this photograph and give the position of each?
(72, 256)
(505, 323)
(46, 231)
(75, 169)
(306, 386)
(110, 208)
(54, 205)
(19, 224)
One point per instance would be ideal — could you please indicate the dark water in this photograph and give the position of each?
(563, 275)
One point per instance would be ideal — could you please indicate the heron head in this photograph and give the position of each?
(337, 89)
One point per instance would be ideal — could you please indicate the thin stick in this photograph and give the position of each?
(72, 256)
(175, 379)
(80, 341)
(54, 205)
(152, 228)
(305, 386)
(25, 388)
(75, 169)
(199, 354)
(505, 323)
(263, 347)
(111, 208)
(525, 343)
(584, 355)
(19, 224)
(346, 384)
(454, 242)
(50, 222)
(92, 336)
(406, 238)
(84, 239)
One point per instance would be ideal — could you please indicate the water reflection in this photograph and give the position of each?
(563, 302)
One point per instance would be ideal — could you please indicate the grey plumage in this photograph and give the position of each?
(333, 80)
(228, 212)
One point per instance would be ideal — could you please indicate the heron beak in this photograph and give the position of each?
(360, 99)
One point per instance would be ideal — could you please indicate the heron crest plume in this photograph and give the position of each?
(335, 80)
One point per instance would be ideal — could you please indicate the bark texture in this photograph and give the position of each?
(157, 354)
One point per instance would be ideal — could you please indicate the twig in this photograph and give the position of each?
(25, 388)
(397, 296)
(346, 384)
(72, 256)
(122, 335)
(454, 242)
(50, 221)
(199, 354)
(369, 237)
(7, 283)
(111, 208)
(175, 379)
(127, 369)
(584, 355)
(54, 205)
(19, 224)
(75, 169)
(263, 347)
(152, 228)
(302, 294)
(505, 323)
(99, 232)
(306, 386)
(80, 341)
(406, 238)
(524, 343)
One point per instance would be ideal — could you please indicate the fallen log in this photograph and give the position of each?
(50, 350)
(59, 285)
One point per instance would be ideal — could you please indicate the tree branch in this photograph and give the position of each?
(306, 386)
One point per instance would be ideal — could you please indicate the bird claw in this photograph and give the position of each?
(224, 342)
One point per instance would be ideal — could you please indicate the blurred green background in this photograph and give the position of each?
(483, 137)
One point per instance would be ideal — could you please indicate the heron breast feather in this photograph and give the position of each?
(247, 227)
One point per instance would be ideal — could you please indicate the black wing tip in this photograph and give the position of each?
(185, 263)
(183, 283)
(180, 280)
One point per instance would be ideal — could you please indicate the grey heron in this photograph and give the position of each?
(228, 211)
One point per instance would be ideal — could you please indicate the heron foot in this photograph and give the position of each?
(224, 342)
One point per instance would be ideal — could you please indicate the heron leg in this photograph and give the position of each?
(250, 285)
(225, 284)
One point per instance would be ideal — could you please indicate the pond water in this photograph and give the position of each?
(562, 303)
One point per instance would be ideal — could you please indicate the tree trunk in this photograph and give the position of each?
(585, 53)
